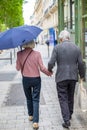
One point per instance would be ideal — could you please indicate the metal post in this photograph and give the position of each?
(76, 22)
(14, 52)
(79, 25)
(70, 14)
(60, 15)
(83, 27)
(11, 57)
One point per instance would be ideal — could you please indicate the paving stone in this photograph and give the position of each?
(13, 112)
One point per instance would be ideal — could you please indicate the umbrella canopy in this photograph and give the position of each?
(18, 36)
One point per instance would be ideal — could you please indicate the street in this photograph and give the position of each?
(13, 111)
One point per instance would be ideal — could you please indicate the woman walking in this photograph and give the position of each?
(30, 63)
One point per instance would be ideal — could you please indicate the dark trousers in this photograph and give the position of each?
(32, 87)
(65, 90)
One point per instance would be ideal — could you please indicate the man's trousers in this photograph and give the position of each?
(65, 90)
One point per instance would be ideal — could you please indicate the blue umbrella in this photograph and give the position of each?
(18, 36)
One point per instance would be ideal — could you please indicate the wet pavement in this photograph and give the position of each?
(13, 111)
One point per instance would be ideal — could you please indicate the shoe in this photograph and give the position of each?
(66, 124)
(35, 126)
(30, 118)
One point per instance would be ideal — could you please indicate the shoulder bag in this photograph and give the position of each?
(25, 61)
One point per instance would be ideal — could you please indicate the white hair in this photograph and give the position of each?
(64, 35)
(30, 44)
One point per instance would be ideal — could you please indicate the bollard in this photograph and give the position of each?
(11, 57)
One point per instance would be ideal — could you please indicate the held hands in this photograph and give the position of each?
(50, 73)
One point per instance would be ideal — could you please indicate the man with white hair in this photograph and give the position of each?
(69, 64)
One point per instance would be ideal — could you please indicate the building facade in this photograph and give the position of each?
(56, 15)
(46, 16)
(73, 15)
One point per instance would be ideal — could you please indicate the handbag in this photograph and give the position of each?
(82, 95)
(25, 61)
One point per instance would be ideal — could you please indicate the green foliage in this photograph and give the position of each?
(11, 12)
(2, 27)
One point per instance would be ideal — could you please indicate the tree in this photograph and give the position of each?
(11, 12)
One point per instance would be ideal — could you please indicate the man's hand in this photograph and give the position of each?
(81, 80)
(50, 73)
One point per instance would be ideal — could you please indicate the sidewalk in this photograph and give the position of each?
(13, 111)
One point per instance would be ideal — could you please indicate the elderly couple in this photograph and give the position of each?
(69, 64)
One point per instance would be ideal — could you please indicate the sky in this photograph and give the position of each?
(28, 9)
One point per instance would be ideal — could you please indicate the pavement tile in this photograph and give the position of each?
(14, 117)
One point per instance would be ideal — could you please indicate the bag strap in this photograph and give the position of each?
(25, 61)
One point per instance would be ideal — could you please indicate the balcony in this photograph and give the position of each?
(47, 13)
(53, 7)
(37, 4)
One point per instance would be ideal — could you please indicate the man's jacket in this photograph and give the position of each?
(69, 62)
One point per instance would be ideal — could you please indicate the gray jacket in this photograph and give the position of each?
(69, 62)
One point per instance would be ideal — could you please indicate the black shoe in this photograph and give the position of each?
(66, 124)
